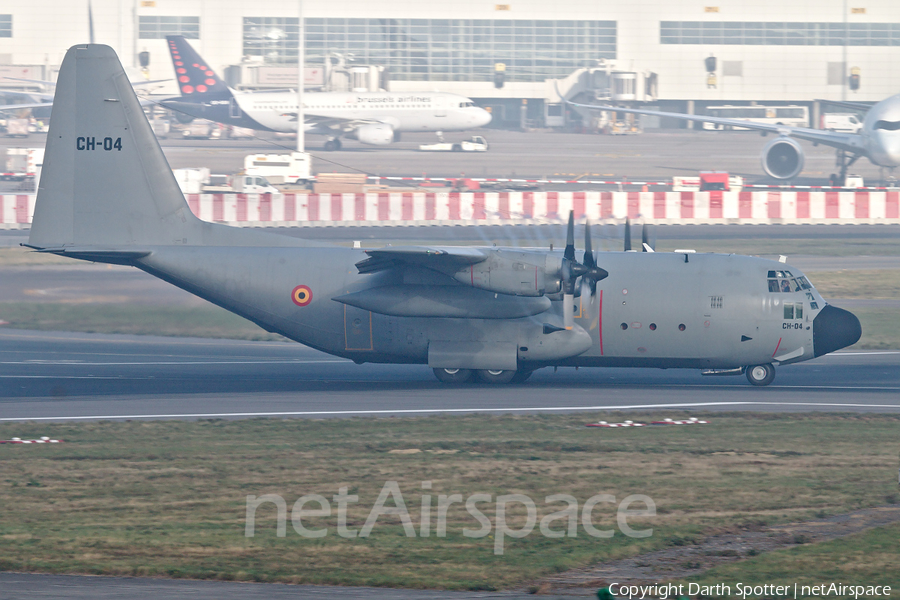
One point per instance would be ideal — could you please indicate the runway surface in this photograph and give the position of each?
(77, 376)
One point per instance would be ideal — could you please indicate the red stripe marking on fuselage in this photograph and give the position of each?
(777, 346)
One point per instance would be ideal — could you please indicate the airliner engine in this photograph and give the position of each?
(375, 134)
(782, 158)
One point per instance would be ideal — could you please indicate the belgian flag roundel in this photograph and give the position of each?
(301, 295)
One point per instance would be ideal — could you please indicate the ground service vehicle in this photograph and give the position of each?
(476, 144)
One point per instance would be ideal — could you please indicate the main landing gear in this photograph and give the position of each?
(842, 161)
(333, 144)
(489, 376)
(760, 374)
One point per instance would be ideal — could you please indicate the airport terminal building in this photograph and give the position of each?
(678, 55)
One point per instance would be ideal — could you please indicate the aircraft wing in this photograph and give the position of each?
(4, 107)
(326, 124)
(135, 83)
(29, 95)
(851, 142)
(440, 258)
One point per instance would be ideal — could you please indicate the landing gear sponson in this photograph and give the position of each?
(758, 375)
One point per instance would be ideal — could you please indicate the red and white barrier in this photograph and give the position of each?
(469, 208)
(16, 210)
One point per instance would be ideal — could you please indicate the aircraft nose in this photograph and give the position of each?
(834, 328)
(484, 118)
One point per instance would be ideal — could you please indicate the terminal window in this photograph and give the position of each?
(151, 28)
(5, 26)
(440, 49)
(739, 33)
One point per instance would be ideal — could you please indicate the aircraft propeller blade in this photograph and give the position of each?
(569, 254)
(627, 234)
(646, 244)
(571, 269)
(588, 251)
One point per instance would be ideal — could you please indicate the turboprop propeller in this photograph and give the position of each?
(571, 270)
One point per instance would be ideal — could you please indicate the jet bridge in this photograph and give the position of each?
(603, 83)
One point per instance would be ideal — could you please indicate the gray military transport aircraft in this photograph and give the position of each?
(108, 195)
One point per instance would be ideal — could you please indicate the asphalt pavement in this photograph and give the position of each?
(655, 155)
(80, 376)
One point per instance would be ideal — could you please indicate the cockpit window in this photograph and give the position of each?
(784, 282)
(888, 125)
(466, 104)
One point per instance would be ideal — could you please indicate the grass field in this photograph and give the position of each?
(868, 558)
(168, 498)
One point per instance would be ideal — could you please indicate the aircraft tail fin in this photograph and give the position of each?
(196, 79)
(105, 180)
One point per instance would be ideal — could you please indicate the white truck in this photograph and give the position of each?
(22, 163)
(17, 127)
(279, 168)
(476, 144)
(843, 122)
(200, 181)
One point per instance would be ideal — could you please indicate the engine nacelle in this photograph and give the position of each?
(516, 272)
(783, 158)
(375, 134)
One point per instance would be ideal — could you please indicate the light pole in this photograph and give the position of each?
(844, 77)
(301, 76)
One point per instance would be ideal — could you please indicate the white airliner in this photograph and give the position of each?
(783, 158)
(374, 118)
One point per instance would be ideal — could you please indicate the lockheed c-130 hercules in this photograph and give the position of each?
(108, 195)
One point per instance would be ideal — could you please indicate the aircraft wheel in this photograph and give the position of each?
(495, 376)
(457, 148)
(453, 375)
(332, 145)
(760, 374)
